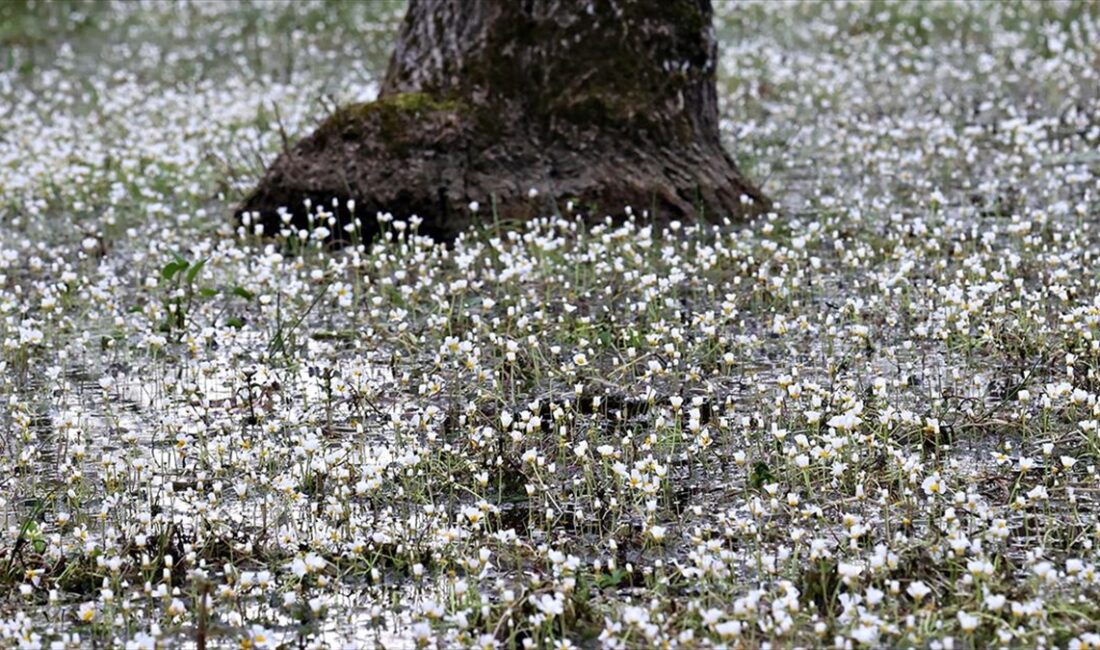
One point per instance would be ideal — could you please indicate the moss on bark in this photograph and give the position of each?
(394, 116)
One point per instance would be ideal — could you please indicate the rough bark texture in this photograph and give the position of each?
(606, 103)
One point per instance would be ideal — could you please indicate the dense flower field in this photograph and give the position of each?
(869, 419)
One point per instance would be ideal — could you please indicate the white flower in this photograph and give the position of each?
(87, 612)
(422, 632)
(260, 637)
(315, 562)
(865, 635)
(849, 571)
(994, 602)
(1045, 571)
(933, 485)
(711, 616)
(634, 615)
(918, 590)
(968, 622)
(728, 629)
(847, 421)
(552, 605)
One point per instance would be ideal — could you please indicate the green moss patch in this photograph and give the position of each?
(390, 116)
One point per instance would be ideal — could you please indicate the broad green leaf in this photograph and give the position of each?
(172, 268)
(194, 271)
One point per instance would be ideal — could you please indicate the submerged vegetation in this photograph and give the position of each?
(869, 419)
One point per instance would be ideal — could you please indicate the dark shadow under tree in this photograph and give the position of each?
(605, 103)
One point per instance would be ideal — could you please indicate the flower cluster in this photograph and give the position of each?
(868, 419)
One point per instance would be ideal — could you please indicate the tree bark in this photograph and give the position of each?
(603, 104)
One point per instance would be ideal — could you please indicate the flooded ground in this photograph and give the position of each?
(869, 419)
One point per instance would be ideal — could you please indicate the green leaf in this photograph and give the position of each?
(243, 293)
(193, 272)
(582, 594)
(234, 322)
(207, 292)
(761, 475)
(605, 338)
(172, 268)
(612, 579)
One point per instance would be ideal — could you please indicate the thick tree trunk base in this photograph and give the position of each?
(412, 154)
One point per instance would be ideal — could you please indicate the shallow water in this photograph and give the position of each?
(412, 409)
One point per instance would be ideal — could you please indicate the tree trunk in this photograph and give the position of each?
(601, 104)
